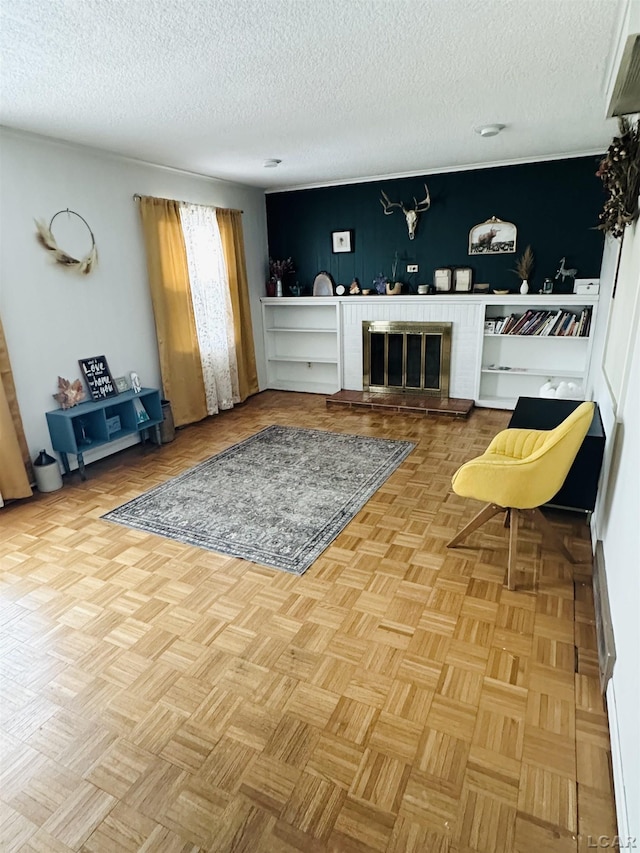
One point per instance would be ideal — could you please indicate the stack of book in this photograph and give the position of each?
(560, 323)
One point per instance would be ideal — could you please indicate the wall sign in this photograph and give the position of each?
(97, 376)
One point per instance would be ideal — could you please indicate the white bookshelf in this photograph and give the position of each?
(517, 365)
(302, 343)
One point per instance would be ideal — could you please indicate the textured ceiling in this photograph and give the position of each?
(337, 89)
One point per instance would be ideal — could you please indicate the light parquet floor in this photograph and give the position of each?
(397, 698)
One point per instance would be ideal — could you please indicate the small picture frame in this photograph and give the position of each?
(493, 237)
(121, 384)
(136, 385)
(462, 279)
(442, 278)
(342, 241)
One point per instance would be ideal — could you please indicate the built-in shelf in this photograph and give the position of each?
(314, 344)
(302, 344)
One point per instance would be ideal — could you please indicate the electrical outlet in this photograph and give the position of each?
(412, 267)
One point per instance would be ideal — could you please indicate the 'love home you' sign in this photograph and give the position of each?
(96, 374)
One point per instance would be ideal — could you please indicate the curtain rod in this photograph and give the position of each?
(137, 197)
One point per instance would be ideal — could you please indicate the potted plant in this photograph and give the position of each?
(394, 287)
(524, 268)
(277, 272)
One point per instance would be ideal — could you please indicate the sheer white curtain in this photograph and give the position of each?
(211, 305)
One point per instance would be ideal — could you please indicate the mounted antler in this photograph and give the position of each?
(410, 214)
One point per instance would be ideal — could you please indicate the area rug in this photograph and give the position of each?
(278, 498)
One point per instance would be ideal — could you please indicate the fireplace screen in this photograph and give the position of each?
(406, 357)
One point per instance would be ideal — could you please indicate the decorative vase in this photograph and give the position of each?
(394, 289)
(524, 287)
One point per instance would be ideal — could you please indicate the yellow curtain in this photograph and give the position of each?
(14, 453)
(230, 224)
(180, 362)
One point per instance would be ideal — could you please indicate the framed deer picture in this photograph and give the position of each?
(493, 237)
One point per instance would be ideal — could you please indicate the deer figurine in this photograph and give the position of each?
(564, 272)
(410, 213)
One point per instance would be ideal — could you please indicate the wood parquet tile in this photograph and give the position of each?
(397, 698)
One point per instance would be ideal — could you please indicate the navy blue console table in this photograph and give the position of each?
(93, 424)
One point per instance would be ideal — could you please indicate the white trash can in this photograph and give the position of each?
(47, 471)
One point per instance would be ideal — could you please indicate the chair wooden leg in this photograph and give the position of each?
(513, 547)
(549, 533)
(487, 512)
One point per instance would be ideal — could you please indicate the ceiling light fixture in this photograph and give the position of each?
(489, 129)
(272, 163)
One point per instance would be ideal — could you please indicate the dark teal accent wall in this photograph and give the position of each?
(554, 205)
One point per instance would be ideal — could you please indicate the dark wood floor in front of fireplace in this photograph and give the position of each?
(411, 403)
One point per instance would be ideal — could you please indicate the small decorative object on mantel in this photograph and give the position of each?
(69, 393)
(380, 284)
(98, 378)
(354, 289)
(620, 173)
(462, 279)
(410, 213)
(524, 268)
(493, 237)
(564, 272)
(47, 240)
(442, 279)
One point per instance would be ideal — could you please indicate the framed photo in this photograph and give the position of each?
(462, 279)
(442, 278)
(341, 241)
(121, 384)
(95, 371)
(493, 237)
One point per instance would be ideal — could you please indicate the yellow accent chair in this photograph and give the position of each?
(519, 471)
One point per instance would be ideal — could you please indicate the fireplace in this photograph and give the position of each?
(404, 357)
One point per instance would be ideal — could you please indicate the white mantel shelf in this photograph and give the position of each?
(525, 300)
(314, 343)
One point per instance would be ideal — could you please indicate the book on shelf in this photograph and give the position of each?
(521, 322)
(141, 413)
(539, 322)
(551, 322)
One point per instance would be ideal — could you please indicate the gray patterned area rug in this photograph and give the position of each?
(278, 498)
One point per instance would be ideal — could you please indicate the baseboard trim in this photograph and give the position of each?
(617, 765)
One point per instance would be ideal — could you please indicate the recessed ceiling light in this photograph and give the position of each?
(272, 163)
(489, 129)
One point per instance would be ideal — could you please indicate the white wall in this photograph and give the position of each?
(616, 520)
(53, 317)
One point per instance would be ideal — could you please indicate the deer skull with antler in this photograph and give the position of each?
(410, 213)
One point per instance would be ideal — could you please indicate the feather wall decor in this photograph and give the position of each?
(45, 237)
